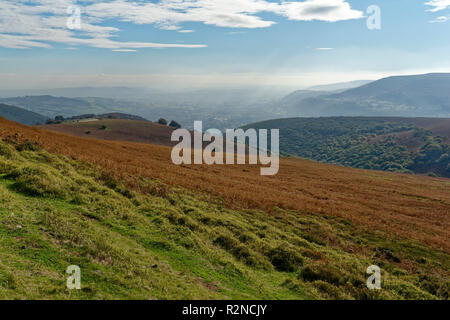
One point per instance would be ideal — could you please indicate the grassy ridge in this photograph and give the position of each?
(168, 242)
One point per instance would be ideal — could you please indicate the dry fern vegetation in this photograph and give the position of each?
(140, 227)
(117, 129)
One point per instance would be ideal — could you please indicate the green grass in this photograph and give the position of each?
(174, 244)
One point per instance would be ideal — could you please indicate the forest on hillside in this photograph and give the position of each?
(366, 143)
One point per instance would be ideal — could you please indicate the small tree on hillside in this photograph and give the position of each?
(162, 121)
(175, 124)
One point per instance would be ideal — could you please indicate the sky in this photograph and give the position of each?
(218, 43)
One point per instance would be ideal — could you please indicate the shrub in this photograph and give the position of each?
(27, 146)
(243, 253)
(240, 251)
(321, 271)
(329, 290)
(435, 286)
(6, 165)
(285, 259)
(40, 180)
(6, 150)
(174, 124)
(382, 252)
(108, 180)
(444, 290)
(407, 290)
(226, 242)
(162, 121)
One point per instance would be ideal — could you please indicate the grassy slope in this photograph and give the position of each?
(172, 244)
(168, 242)
(55, 212)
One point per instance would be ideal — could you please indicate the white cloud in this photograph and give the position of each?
(324, 49)
(438, 5)
(40, 23)
(124, 50)
(440, 19)
(324, 10)
(28, 24)
(222, 13)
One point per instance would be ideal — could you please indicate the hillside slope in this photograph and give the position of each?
(405, 96)
(414, 145)
(342, 86)
(141, 227)
(51, 106)
(20, 115)
(121, 130)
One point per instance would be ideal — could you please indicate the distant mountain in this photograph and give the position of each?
(421, 93)
(51, 106)
(20, 115)
(220, 109)
(340, 86)
(76, 92)
(417, 145)
(299, 95)
(407, 96)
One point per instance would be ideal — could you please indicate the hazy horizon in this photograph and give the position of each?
(179, 45)
(199, 87)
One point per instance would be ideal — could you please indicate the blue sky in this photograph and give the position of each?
(199, 43)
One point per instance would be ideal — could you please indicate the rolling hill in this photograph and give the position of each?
(406, 96)
(20, 115)
(140, 227)
(117, 129)
(342, 86)
(414, 145)
(105, 116)
(217, 108)
(300, 95)
(51, 106)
